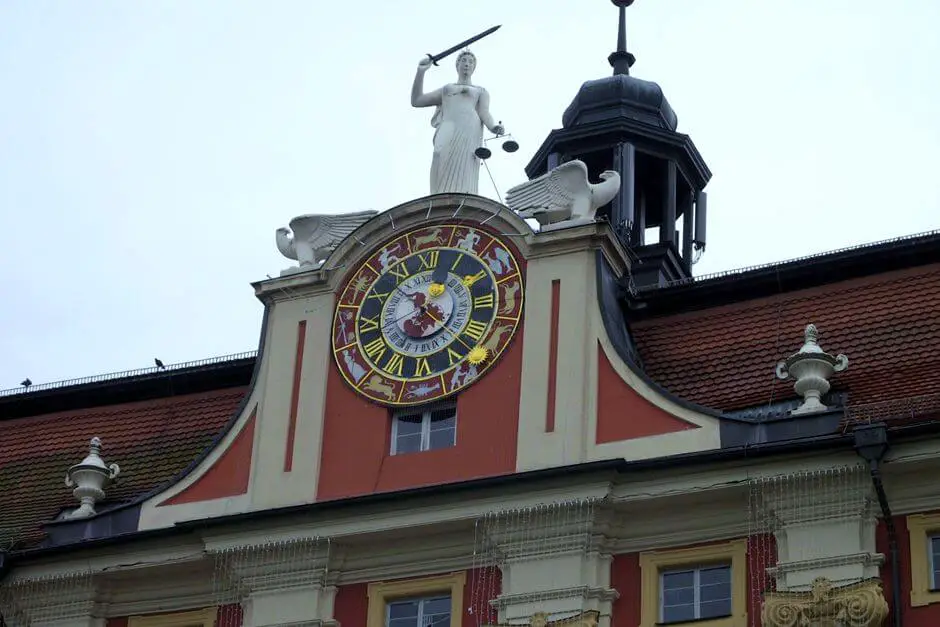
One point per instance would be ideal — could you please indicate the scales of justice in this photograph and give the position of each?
(561, 197)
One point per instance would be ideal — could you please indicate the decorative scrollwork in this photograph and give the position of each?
(860, 604)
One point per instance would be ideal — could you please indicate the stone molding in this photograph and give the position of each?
(859, 604)
(202, 618)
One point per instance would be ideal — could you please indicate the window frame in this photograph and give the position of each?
(654, 563)
(425, 445)
(205, 617)
(421, 599)
(382, 592)
(696, 571)
(920, 527)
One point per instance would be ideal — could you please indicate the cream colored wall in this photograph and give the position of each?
(580, 328)
(309, 296)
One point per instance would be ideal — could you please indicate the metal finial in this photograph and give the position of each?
(621, 60)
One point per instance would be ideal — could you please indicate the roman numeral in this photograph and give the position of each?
(369, 324)
(375, 349)
(429, 260)
(452, 356)
(395, 364)
(380, 296)
(400, 271)
(484, 300)
(475, 329)
(423, 368)
(457, 261)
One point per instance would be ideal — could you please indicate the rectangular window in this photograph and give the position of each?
(695, 593)
(422, 612)
(934, 557)
(415, 431)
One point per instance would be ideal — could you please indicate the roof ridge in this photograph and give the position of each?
(722, 274)
(123, 374)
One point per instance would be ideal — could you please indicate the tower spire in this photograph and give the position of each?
(621, 60)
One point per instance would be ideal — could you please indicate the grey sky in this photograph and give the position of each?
(148, 150)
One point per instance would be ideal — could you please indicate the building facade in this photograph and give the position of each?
(455, 419)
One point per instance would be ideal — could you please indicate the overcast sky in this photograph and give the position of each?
(149, 149)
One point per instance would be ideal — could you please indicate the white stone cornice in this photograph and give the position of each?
(580, 592)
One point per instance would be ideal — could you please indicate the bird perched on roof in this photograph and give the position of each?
(26, 382)
(563, 193)
(159, 363)
(315, 236)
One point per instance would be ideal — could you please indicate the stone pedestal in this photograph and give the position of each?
(829, 535)
(556, 587)
(301, 607)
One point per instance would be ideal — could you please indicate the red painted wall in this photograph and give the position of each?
(924, 616)
(622, 414)
(229, 475)
(351, 605)
(357, 435)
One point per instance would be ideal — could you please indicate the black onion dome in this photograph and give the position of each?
(619, 96)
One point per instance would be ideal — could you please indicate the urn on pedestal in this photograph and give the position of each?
(812, 367)
(89, 478)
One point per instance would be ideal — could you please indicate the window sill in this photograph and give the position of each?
(717, 621)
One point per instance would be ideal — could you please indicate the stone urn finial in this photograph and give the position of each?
(89, 479)
(812, 367)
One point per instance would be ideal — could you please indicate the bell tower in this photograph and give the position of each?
(625, 124)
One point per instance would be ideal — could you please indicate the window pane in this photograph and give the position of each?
(403, 609)
(714, 609)
(437, 606)
(678, 613)
(408, 425)
(935, 562)
(443, 416)
(678, 579)
(678, 596)
(403, 622)
(408, 443)
(715, 592)
(442, 439)
(715, 574)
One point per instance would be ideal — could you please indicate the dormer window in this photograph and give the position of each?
(424, 430)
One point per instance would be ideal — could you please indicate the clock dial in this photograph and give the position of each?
(427, 314)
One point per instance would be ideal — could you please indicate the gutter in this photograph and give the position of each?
(871, 443)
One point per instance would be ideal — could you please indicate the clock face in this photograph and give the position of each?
(427, 314)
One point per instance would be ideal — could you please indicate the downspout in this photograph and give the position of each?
(871, 443)
(5, 567)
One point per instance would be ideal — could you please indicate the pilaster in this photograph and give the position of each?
(554, 565)
(826, 534)
(282, 583)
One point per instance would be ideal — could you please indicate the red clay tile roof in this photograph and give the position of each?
(151, 441)
(724, 357)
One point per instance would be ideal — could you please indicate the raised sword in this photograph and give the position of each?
(440, 55)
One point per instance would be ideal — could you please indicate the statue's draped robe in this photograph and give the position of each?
(454, 167)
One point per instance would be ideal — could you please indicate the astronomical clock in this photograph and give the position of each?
(427, 314)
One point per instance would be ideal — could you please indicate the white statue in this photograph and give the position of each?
(315, 236)
(563, 193)
(463, 109)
